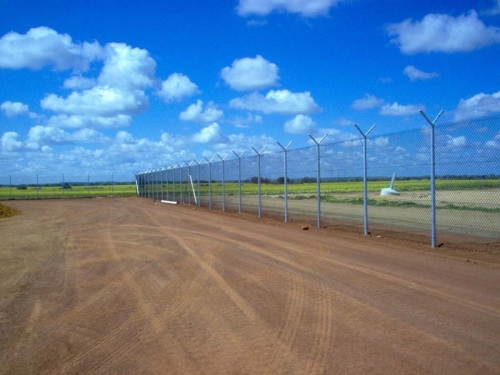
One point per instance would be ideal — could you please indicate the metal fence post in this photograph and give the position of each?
(187, 180)
(209, 181)
(37, 188)
(318, 182)
(198, 202)
(365, 179)
(258, 181)
(239, 179)
(223, 159)
(433, 178)
(285, 149)
(169, 168)
(161, 181)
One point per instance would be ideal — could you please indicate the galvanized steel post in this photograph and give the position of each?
(285, 149)
(223, 159)
(258, 181)
(210, 181)
(433, 178)
(365, 179)
(318, 182)
(239, 179)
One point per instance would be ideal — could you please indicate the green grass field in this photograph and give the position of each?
(231, 188)
(47, 192)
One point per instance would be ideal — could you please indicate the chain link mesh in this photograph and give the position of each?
(467, 184)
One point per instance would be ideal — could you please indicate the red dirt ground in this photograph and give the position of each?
(129, 286)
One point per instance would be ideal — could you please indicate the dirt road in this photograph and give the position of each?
(127, 286)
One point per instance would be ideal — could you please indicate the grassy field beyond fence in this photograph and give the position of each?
(56, 191)
(231, 188)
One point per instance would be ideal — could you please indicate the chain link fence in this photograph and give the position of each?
(460, 205)
(325, 185)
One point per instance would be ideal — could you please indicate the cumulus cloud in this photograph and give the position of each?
(415, 74)
(309, 8)
(84, 121)
(250, 74)
(176, 87)
(12, 109)
(106, 101)
(98, 101)
(210, 134)
(479, 105)
(443, 33)
(495, 142)
(455, 142)
(367, 102)
(196, 113)
(127, 68)
(396, 109)
(11, 142)
(42, 46)
(40, 137)
(277, 101)
(300, 124)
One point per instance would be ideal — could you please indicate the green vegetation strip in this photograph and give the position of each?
(389, 203)
(78, 191)
(231, 188)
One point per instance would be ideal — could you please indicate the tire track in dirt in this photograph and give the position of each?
(120, 337)
(422, 289)
(282, 350)
(234, 296)
(293, 310)
(364, 270)
(287, 333)
(322, 332)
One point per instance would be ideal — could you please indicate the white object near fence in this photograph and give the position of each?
(390, 190)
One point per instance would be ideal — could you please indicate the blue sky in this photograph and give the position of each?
(124, 86)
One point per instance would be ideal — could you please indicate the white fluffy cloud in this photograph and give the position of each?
(11, 142)
(396, 109)
(210, 134)
(176, 87)
(103, 101)
(277, 101)
(495, 142)
(42, 46)
(127, 68)
(42, 137)
(309, 8)
(84, 121)
(479, 105)
(196, 113)
(443, 33)
(300, 124)
(415, 74)
(367, 102)
(106, 101)
(12, 109)
(250, 74)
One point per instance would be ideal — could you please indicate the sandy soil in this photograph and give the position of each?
(129, 286)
